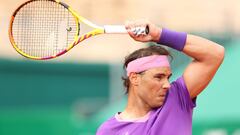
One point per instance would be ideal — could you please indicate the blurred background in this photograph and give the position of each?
(75, 93)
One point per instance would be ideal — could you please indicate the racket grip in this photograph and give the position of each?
(115, 29)
(120, 29)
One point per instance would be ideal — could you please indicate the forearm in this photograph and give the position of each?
(203, 50)
(200, 49)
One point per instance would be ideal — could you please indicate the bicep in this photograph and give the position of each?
(207, 57)
(197, 76)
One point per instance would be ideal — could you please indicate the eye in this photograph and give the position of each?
(159, 77)
(162, 76)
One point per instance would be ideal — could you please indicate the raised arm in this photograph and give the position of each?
(207, 55)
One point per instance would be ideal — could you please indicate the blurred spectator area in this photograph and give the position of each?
(212, 17)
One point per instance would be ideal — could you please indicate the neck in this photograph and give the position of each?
(135, 108)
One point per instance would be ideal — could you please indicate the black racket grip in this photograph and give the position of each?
(147, 30)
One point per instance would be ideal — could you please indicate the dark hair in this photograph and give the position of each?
(143, 52)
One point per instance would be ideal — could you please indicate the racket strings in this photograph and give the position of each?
(43, 28)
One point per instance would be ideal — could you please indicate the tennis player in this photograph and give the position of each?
(155, 106)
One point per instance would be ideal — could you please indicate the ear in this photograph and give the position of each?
(134, 79)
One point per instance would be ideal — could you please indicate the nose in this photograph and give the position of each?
(166, 85)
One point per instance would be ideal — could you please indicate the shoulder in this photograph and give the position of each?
(106, 127)
(179, 87)
(179, 84)
(179, 92)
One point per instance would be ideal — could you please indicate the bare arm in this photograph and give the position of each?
(207, 56)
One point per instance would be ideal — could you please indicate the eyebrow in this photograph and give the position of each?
(163, 74)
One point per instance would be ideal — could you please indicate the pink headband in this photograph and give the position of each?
(148, 62)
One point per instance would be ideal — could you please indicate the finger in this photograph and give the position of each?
(141, 23)
(137, 29)
(129, 27)
(127, 24)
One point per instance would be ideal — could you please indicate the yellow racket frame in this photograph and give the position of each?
(96, 30)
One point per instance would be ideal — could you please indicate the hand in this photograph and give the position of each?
(152, 36)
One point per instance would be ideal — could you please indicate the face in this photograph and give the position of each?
(152, 86)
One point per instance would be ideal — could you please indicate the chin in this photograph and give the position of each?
(157, 105)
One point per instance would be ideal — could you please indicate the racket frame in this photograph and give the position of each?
(111, 29)
(77, 38)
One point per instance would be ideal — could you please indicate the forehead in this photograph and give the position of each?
(159, 70)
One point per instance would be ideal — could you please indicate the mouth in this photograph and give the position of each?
(161, 97)
(162, 94)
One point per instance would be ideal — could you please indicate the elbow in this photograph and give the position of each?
(220, 53)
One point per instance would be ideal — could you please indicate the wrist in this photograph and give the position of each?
(157, 35)
(173, 39)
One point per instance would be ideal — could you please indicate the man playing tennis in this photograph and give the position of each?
(156, 106)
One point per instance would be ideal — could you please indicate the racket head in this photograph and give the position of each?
(45, 29)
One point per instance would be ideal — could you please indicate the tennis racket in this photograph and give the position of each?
(46, 29)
